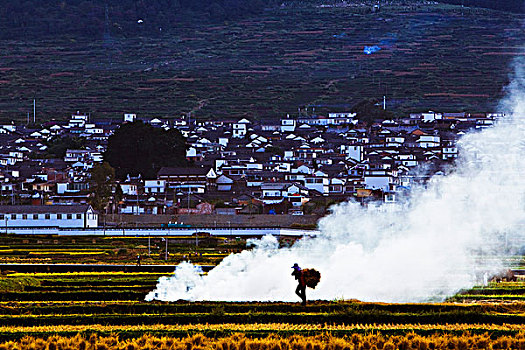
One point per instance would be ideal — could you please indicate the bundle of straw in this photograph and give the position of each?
(311, 277)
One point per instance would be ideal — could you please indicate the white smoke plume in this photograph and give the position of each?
(441, 240)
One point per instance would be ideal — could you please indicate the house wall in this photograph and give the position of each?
(319, 184)
(342, 115)
(154, 186)
(288, 125)
(131, 209)
(129, 189)
(377, 182)
(239, 130)
(271, 193)
(46, 220)
(354, 152)
(91, 219)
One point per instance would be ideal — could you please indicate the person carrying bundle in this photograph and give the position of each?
(306, 278)
(301, 287)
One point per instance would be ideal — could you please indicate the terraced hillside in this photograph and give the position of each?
(432, 57)
(108, 309)
(47, 249)
(113, 302)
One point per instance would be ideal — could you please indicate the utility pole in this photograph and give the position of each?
(189, 194)
(166, 252)
(34, 111)
(138, 199)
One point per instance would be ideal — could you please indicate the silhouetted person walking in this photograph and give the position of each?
(301, 286)
(138, 260)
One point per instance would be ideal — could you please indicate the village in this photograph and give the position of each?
(295, 165)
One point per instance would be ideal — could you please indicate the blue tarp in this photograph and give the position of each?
(371, 49)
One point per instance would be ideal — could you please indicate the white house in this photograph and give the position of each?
(431, 116)
(55, 129)
(78, 216)
(289, 155)
(349, 115)
(294, 193)
(408, 160)
(224, 183)
(129, 117)
(223, 141)
(240, 129)
(154, 186)
(191, 153)
(93, 129)
(78, 120)
(428, 141)
(302, 169)
(288, 125)
(317, 140)
(155, 122)
(76, 155)
(319, 183)
(295, 177)
(450, 152)
(9, 127)
(325, 121)
(379, 179)
(337, 186)
(394, 141)
(129, 189)
(353, 151)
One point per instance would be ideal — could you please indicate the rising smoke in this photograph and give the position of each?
(449, 235)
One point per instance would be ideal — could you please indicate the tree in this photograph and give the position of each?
(138, 148)
(102, 179)
(57, 147)
(369, 111)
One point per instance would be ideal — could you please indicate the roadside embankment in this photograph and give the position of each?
(212, 220)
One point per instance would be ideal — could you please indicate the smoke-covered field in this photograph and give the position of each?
(450, 235)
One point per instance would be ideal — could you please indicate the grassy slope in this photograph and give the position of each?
(433, 57)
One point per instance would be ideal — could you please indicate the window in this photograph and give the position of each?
(13, 216)
(59, 216)
(69, 216)
(24, 216)
(79, 216)
(47, 216)
(1, 216)
(35, 216)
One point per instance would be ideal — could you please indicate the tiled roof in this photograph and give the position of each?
(171, 171)
(44, 209)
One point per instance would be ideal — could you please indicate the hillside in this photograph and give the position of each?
(36, 18)
(126, 18)
(261, 64)
(516, 6)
